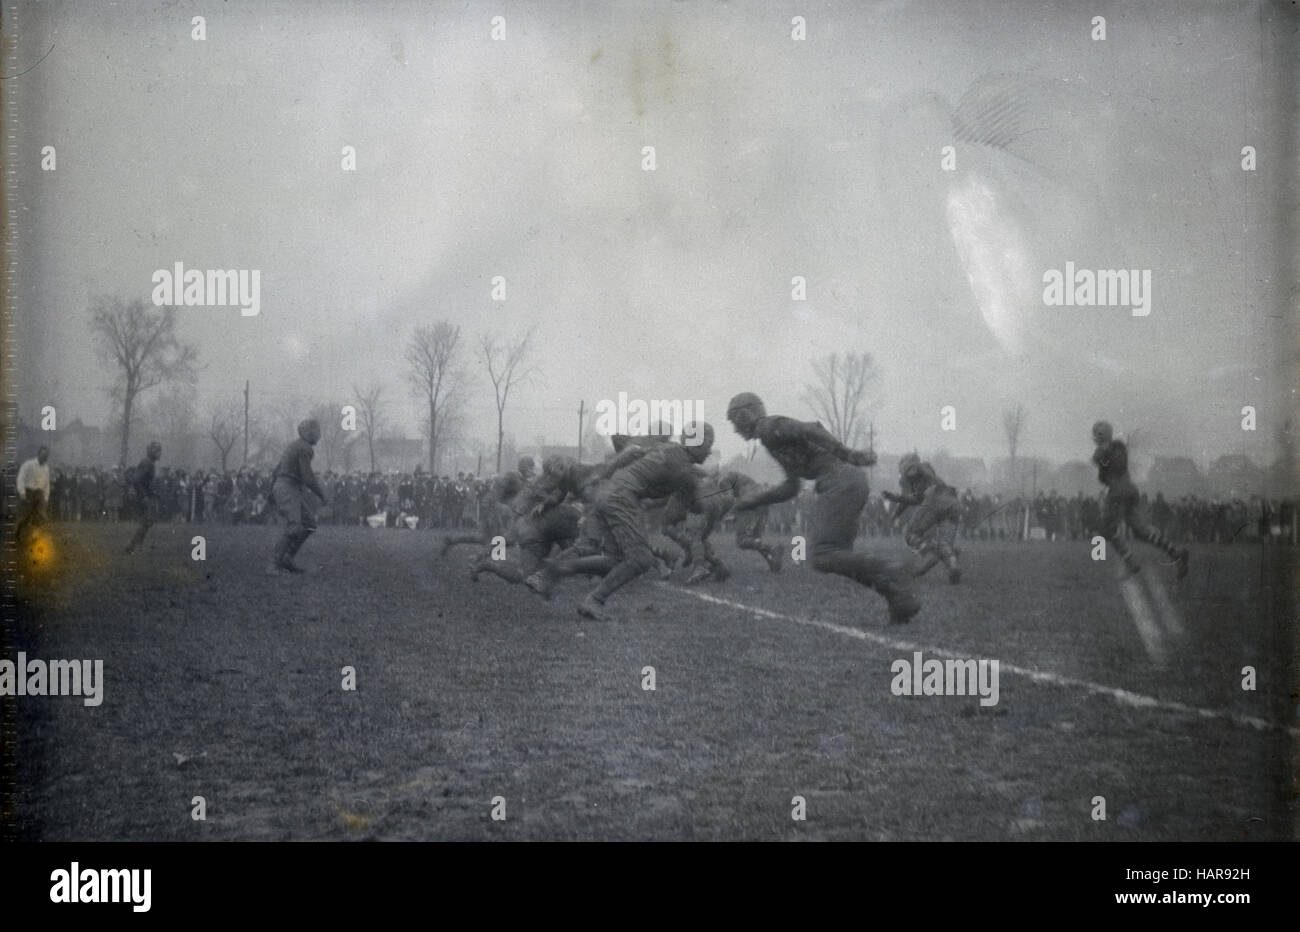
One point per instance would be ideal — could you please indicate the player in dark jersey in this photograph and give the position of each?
(141, 495)
(932, 532)
(751, 523)
(716, 498)
(292, 484)
(690, 529)
(661, 470)
(581, 483)
(806, 450)
(1111, 459)
(495, 518)
(542, 520)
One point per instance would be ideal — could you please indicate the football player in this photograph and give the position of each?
(1111, 459)
(141, 495)
(806, 450)
(716, 498)
(291, 483)
(496, 516)
(933, 529)
(659, 471)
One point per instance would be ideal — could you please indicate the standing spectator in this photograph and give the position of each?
(33, 486)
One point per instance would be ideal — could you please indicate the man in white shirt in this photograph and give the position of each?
(33, 489)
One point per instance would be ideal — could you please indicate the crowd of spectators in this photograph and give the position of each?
(240, 496)
(419, 499)
(1055, 517)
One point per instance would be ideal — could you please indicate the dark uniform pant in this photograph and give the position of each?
(33, 512)
(557, 527)
(296, 506)
(143, 510)
(933, 528)
(1122, 508)
(836, 510)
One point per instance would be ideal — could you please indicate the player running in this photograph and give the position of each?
(715, 501)
(291, 482)
(806, 450)
(658, 471)
(141, 495)
(1111, 457)
(495, 518)
(932, 532)
(543, 519)
(534, 528)
(567, 479)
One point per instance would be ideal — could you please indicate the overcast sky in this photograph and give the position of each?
(775, 158)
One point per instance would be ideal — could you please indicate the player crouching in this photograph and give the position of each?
(932, 532)
(291, 482)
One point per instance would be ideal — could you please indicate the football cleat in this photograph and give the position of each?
(591, 608)
(539, 584)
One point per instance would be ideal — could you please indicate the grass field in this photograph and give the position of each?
(224, 683)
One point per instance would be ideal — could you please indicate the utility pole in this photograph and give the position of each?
(582, 407)
(245, 422)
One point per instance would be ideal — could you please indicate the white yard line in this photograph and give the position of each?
(1122, 696)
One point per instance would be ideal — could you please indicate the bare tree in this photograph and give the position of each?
(139, 341)
(370, 402)
(504, 359)
(271, 427)
(436, 379)
(171, 417)
(1013, 420)
(838, 396)
(225, 427)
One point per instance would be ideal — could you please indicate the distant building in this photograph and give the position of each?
(73, 444)
(961, 472)
(392, 454)
(540, 453)
(1075, 476)
(1236, 476)
(1175, 476)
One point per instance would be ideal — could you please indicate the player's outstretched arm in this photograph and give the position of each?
(552, 500)
(769, 496)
